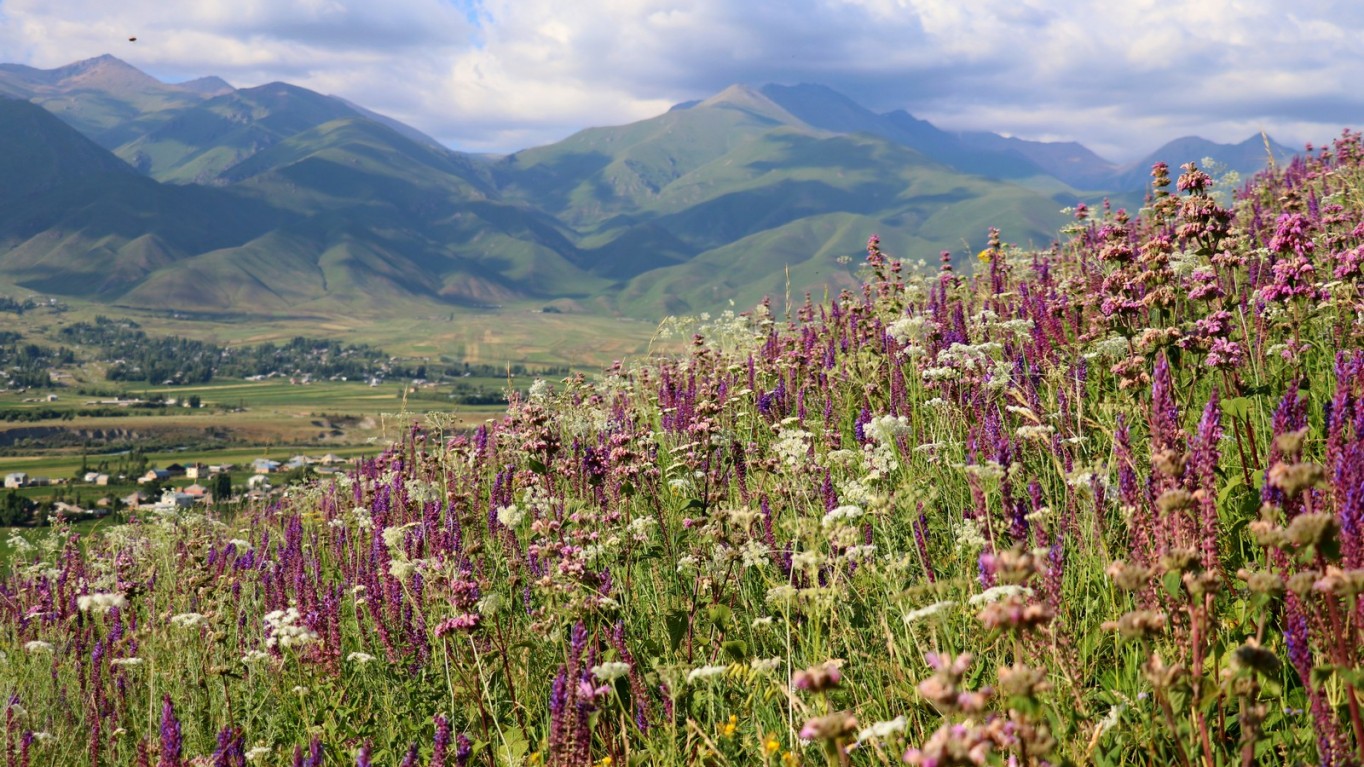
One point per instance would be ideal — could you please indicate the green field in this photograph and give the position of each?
(494, 335)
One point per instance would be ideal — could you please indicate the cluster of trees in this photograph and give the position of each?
(26, 365)
(15, 509)
(15, 306)
(136, 356)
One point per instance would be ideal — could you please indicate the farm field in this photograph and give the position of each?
(519, 333)
(237, 422)
(271, 412)
(1099, 504)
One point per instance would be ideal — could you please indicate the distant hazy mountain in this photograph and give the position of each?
(1246, 158)
(1068, 161)
(280, 200)
(203, 140)
(823, 108)
(103, 98)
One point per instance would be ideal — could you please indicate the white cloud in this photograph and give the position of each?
(501, 74)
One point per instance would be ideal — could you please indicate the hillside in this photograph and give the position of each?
(276, 199)
(104, 98)
(79, 222)
(740, 196)
(1076, 508)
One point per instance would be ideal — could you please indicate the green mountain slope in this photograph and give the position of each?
(77, 221)
(600, 172)
(38, 153)
(277, 200)
(104, 98)
(201, 142)
(348, 215)
(430, 207)
(717, 200)
(374, 165)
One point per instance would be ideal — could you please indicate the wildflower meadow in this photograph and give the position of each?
(1101, 504)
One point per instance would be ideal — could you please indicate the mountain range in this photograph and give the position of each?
(277, 200)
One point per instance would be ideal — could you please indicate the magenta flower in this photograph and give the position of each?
(1224, 355)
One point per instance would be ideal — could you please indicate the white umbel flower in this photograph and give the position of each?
(705, 672)
(100, 603)
(610, 671)
(923, 613)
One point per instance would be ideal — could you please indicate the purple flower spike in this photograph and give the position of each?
(442, 742)
(463, 750)
(171, 745)
(231, 748)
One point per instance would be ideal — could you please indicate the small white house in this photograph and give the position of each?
(264, 466)
(173, 501)
(16, 479)
(298, 462)
(153, 475)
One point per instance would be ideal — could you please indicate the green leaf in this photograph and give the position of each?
(736, 649)
(1228, 489)
(537, 467)
(719, 614)
(677, 623)
(1172, 583)
(512, 751)
(1238, 407)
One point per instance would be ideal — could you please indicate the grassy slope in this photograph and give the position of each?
(957, 529)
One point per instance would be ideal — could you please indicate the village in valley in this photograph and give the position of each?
(176, 486)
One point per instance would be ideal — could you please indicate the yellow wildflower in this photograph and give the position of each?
(728, 728)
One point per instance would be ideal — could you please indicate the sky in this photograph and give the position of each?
(1120, 76)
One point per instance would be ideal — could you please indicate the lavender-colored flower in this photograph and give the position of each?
(1293, 277)
(1300, 656)
(1349, 264)
(1165, 430)
(463, 622)
(1193, 179)
(1205, 286)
